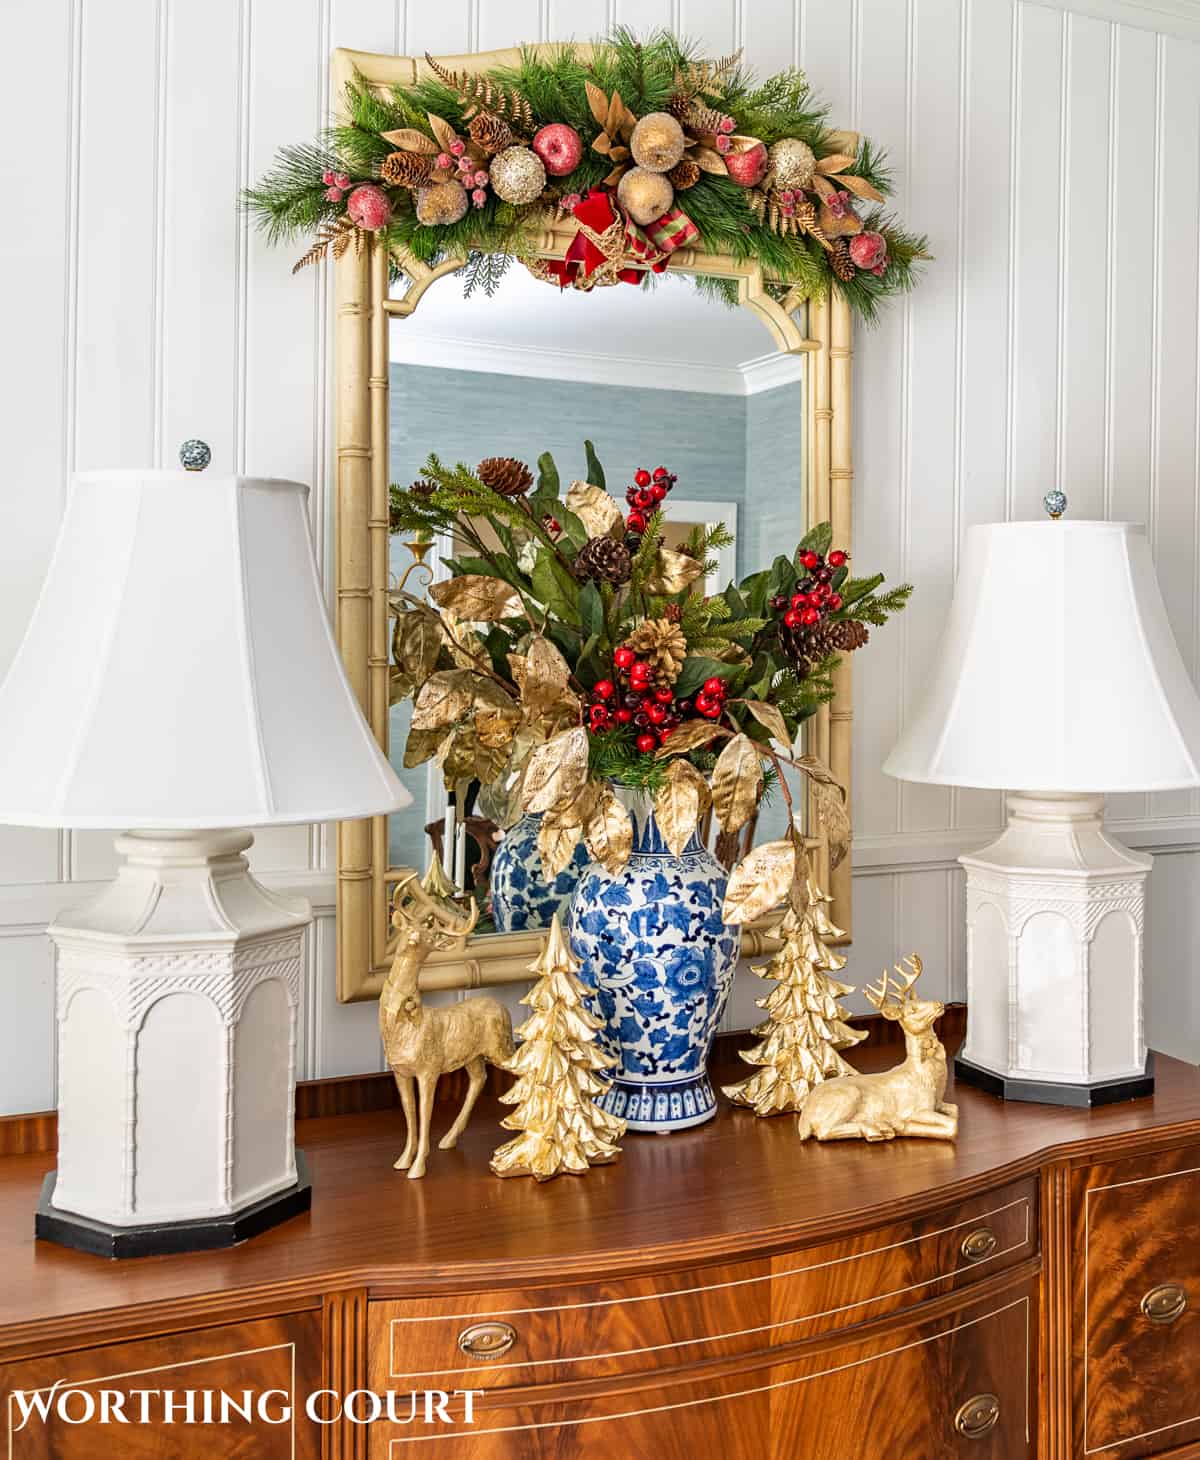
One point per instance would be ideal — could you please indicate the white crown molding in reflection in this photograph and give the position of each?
(495, 358)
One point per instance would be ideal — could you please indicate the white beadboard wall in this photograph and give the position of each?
(1051, 150)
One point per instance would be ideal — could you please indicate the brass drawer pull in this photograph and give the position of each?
(487, 1340)
(1164, 1303)
(980, 1243)
(978, 1416)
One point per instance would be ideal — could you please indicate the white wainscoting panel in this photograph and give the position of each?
(1050, 150)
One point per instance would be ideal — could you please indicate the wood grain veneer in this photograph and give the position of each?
(726, 1286)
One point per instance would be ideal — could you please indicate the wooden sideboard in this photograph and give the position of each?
(1033, 1290)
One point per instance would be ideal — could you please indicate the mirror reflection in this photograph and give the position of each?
(666, 378)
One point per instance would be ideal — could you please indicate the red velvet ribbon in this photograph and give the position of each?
(598, 212)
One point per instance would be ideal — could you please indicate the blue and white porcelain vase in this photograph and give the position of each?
(661, 960)
(522, 899)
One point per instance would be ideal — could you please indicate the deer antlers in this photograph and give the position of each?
(894, 995)
(424, 905)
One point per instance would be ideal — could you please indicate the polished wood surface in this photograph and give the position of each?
(884, 1393)
(281, 1355)
(737, 1186)
(1138, 1233)
(727, 1287)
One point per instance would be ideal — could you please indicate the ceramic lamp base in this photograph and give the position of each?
(1055, 918)
(178, 997)
(660, 1107)
(159, 1239)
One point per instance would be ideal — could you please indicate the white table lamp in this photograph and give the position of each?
(179, 682)
(1058, 680)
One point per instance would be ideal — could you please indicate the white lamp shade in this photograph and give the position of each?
(179, 670)
(1058, 671)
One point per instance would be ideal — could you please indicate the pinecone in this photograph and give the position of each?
(673, 613)
(603, 560)
(506, 475)
(423, 487)
(662, 644)
(685, 174)
(406, 169)
(808, 647)
(840, 259)
(490, 132)
(850, 634)
(678, 105)
(701, 118)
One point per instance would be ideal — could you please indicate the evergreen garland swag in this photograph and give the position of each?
(457, 166)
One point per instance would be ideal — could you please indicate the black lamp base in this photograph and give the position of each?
(158, 1238)
(1054, 1092)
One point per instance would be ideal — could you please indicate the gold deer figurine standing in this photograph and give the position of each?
(423, 1043)
(903, 1101)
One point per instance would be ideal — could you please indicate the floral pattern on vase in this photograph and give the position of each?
(661, 961)
(522, 899)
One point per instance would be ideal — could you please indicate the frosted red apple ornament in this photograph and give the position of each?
(748, 168)
(560, 148)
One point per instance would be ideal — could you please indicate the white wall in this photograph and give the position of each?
(1052, 154)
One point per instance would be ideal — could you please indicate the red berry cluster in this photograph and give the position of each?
(632, 699)
(647, 493)
(813, 598)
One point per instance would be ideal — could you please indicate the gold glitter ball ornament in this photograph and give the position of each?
(657, 142)
(518, 175)
(645, 195)
(441, 203)
(792, 163)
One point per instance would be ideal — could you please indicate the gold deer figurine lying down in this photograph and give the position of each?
(422, 1043)
(903, 1101)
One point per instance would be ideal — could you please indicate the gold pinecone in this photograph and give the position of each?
(604, 561)
(678, 105)
(662, 644)
(406, 169)
(490, 132)
(685, 174)
(840, 260)
(701, 118)
(506, 475)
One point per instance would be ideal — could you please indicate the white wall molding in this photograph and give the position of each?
(540, 363)
(1037, 346)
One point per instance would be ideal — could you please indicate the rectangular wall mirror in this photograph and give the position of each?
(707, 369)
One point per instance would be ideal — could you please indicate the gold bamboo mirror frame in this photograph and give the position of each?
(365, 309)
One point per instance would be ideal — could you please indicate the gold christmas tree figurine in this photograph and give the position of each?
(557, 1064)
(804, 1028)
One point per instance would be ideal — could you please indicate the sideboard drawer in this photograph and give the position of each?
(540, 1335)
(1137, 1267)
(954, 1388)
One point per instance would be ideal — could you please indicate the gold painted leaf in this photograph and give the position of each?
(476, 598)
(464, 645)
(422, 745)
(679, 804)
(673, 572)
(541, 674)
(598, 512)
(411, 140)
(602, 144)
(771, 719)
(557, 771)
(836, 162)
(690, 736)
(557, 845)
(608, 832)
(416, 643)
(829, 797)
(464, 758)
(736, 782)
(597, 101)
(400, 686)
(760, 881)
(443, 699)
(708, 159)
(860, 187)
(443, 131)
